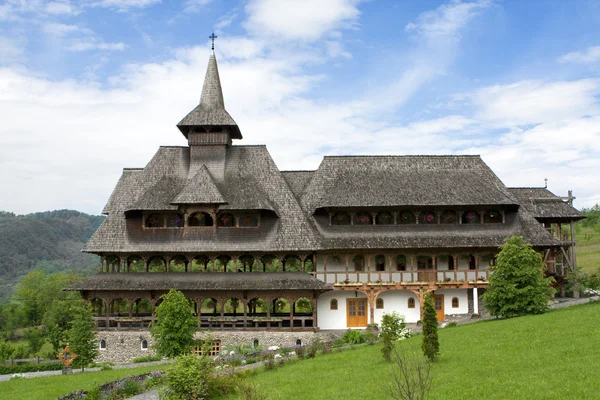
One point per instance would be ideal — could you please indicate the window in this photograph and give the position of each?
(472, 263)
(200, 219)
(102, 345)
(384, 218)
(379, 303)
(411, 302)
(363, 218)
(175, 221)
(154, 221)
(227, 220)
(455, 302)
(249, 220)
(380, 263)
(298, 342)
(424, 262)
(215, 349)
(255, 343)
(401, 262)
(470, 217)
(340, 218)
(427, 218)
(144, 344)
(333, 304)
(359, 263)
(492, 217)
(449, 217)
(492, 261)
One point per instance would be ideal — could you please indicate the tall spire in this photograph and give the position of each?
(210, 115)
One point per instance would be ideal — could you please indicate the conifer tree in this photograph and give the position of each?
(431, 344)
(82, 338)
(517, 284)
(175, 325)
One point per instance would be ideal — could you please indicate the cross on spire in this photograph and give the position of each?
(213, 37)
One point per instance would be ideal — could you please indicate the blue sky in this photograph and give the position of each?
(90, 87)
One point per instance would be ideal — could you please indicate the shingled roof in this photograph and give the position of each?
(545, 205)
(205, 281)
(379, 181)
(211, 110)
(200, 189)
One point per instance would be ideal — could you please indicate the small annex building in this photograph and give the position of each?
(276, 257)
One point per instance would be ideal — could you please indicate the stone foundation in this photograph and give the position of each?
(124, 346)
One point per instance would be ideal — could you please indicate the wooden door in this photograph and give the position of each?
(356, 313)
(438, 300)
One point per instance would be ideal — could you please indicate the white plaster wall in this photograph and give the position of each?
(463, 306)
(397, 300)
(334, 319)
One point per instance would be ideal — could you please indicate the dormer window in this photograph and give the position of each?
(492, 217)
(340, 218)
(384, 218)
(226, 220)
(427, 218)
(449, 217)
(406, 218)
(154, 221)
(363, 218)
(249, 220)
(470, 217)
(175, 221)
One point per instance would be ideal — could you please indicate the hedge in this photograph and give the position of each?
(21, 368)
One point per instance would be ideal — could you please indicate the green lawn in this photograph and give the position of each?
(588, 249)
(51, 387)
(550, 356)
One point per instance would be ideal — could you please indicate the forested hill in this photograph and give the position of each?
(51, 241)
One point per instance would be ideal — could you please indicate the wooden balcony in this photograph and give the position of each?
(403, 277)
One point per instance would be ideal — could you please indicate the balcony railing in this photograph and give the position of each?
(417, 276)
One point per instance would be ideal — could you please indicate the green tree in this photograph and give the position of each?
(430, 344)
(82, 338)
(57, 321)
(517, 284)
(175, 325)
(188, 378)
(35, 339)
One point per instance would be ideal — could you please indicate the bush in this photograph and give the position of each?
(452, 325)
(353, 337)
(388, 346)
(131, 387)
(430, 344)
(248, 391)
(155, 379)
(300, 352)
(188, 378)
(370, 337)
(393, 325)
(21, 368)
(146, 359)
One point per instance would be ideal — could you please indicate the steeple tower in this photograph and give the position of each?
(209, 123)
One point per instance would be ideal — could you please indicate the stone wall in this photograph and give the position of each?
(124, 346)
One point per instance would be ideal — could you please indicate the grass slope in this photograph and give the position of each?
(51, 387)
(588, 249)
(550, 356)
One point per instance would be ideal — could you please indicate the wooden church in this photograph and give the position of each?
(279, 257)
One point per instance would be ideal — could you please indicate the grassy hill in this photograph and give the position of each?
(550, 356)
(49, 240)
(588, 248)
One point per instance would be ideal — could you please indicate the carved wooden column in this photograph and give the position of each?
(313, 303)
(292, 302)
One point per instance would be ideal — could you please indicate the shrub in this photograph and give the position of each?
(175, 325)
(370, 337)
(146, 359)
(430, 344)
(270, 362)
(452, 325)
(247, 390)
(300, 352)
(21, 368)
(188, 378)
(394, 325)
(131, 387)
(410, 378)
(353, 337)
(155, 379)
(388, 346)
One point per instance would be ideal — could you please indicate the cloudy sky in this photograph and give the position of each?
(89, 87)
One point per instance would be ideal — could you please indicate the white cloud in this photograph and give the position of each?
(589, 56)
(532, 102)
(300, 19)
(193, 6)
(446, 20)
(78, 39)
(60, 8)
(61, 30)
(11, 50)
(94, 44)
(124, 5)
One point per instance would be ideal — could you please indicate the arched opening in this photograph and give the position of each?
(380, 262)
(384, 218)
(135, 264)
(154, 221)
(141, 308)
(257, 307)
(255, 343)
(292, 263)
(270, 263)
(492, 217)
(246, 263)
(226, 220)
(406, 218)
(449, 217)
(233, 306)
(359, 262)
(451, 262)
(309, 264)
(298, 342)
(340, 218)
(119, 308)
(210, 306)
(222, 262)
(379, 303)
(178, 264)
(470, 217)
(411, 302)
(427, 218)
(303, 306)
(200, 219)
(363, 218)
(102, 344)
(113, 264)
(472, 262)
(144, 345)
(455, 302)
(280, 307)
(98, 307)
(333, 304)
(401, 262)
(249, 220)
(200, 264)
(157, 264)
(175, 220)
(424, 262)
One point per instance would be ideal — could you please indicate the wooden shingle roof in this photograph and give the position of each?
(543, 204)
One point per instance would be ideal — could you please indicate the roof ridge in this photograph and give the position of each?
(406, 156)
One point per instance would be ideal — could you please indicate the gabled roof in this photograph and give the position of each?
(211, 110)
(545, 205)
(297, 180)
(206, 281)
(200, 189)
(381, 181)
